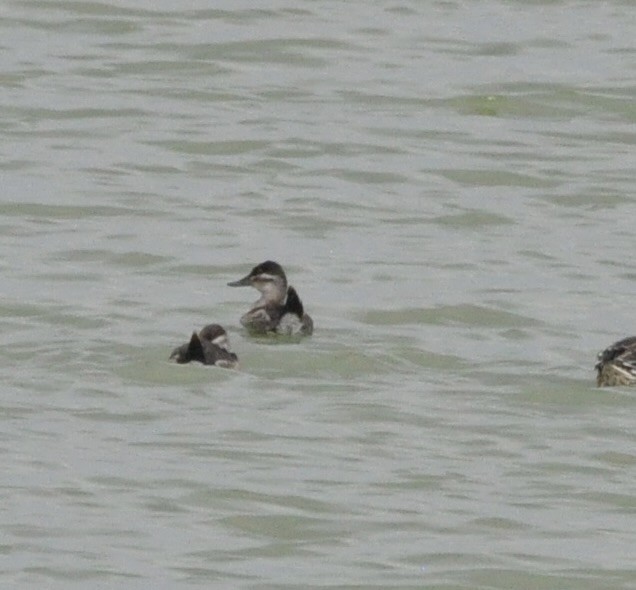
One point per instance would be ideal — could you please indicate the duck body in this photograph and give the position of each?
(279, 309)
(209, 346)
(617, 364)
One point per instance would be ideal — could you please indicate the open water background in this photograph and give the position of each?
(450, 186)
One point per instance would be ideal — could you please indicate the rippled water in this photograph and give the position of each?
(450, 187)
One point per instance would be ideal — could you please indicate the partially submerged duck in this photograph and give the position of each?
(209, 346)
(617, 364)
(279, 309)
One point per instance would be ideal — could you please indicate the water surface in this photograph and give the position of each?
(449, 186)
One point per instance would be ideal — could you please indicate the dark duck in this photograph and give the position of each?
(279, 309)
(209, 346)
(617, 364)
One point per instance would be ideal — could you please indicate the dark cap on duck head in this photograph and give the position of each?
(264, 271)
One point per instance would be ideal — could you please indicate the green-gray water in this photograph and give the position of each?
(450, 186)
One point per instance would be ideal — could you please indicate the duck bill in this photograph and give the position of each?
(244, 282)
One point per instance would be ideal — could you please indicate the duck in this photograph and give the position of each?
(617, 364)
(279, 309)
(210, 346)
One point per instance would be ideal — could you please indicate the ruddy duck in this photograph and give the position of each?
(617, 364)
(279, 308)
(210, 346)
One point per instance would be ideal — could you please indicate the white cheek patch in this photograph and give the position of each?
(221, 341)
(265, 277)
